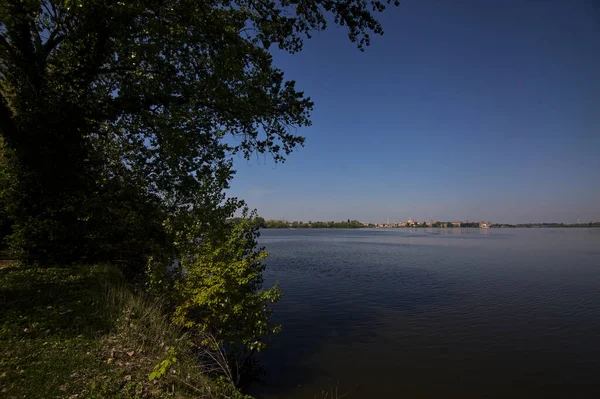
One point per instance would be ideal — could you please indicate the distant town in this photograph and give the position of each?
(470, 224)
(410, 223)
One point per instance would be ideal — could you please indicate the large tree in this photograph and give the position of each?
(110, 102)
(115, 118)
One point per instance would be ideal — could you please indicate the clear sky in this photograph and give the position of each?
(478, 109)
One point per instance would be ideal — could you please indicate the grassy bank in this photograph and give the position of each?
(83, 333)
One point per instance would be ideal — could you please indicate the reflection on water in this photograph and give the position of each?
(435, 312)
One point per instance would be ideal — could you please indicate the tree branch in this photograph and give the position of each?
(135, 104)
(115, 69)
(37, 38)
(4, 43)
(58, 34)
(53, 41)
(7, 125)
(24, 54)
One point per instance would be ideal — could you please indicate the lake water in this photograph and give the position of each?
(432, 313)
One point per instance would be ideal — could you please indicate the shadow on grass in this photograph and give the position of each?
(39, 302)
(50, 322)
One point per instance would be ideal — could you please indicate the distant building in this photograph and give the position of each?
(410, 222)
(485, 225)
(456, 224)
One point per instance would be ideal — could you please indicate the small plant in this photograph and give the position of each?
(163, 367)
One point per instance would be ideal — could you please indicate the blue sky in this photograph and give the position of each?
(480, 109)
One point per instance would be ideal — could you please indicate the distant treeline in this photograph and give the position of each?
(547, 225)
(281, 224)
(355, 224)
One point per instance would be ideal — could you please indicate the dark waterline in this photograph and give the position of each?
(435, 313)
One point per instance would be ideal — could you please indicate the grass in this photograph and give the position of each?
(81, 332)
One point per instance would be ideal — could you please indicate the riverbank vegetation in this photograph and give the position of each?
(119, 123)
(81, 332)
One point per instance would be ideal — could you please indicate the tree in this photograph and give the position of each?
(118, 118)
(98, 95)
